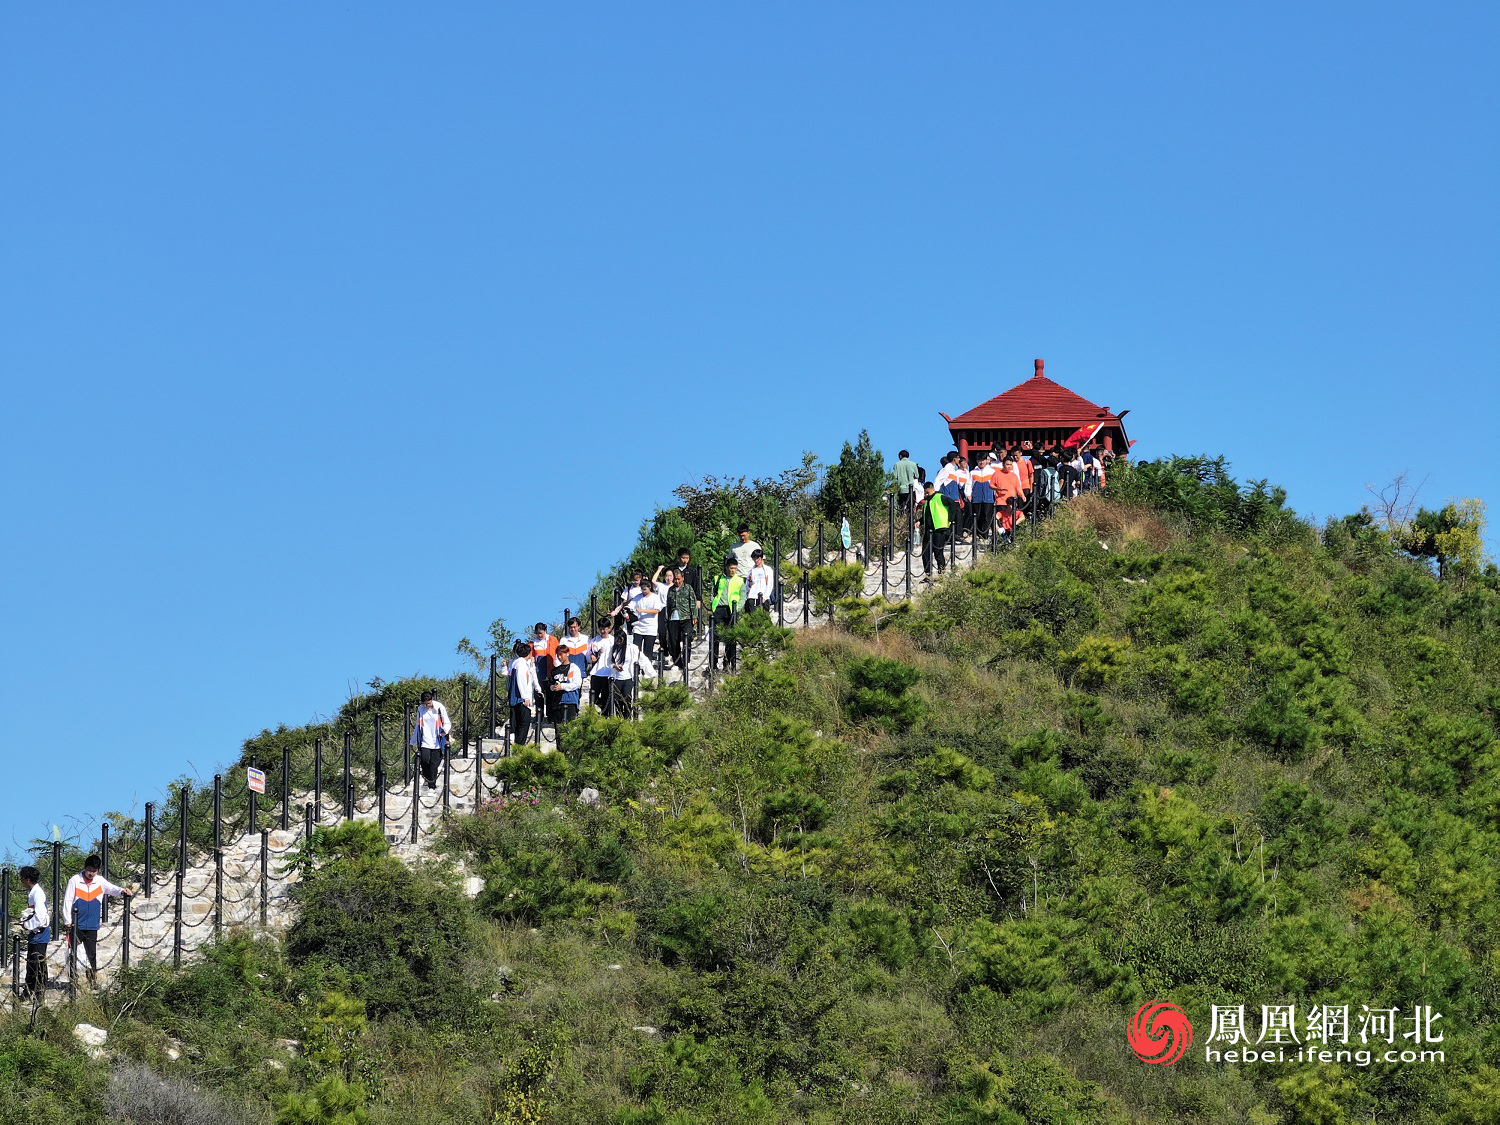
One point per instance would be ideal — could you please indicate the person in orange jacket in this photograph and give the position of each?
(1007, 484)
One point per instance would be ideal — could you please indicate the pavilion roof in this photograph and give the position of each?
(1036, 403)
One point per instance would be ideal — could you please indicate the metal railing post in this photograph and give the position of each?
(890, 517)
(182, 821)
(885, 566)
(286, 787)
(379, 776)
(348, 775)
(806, 597)
(125, 933)
(776, 580)
(218, 855)
(908, 569)
(265, 873)
(799, 548)
(406, 753)
(494, 695)
(307, 823)
(252, 796)
(448, 773)
(464, 721)
(104, 870)
(416, 802)
(56, 886)
(713, 655)
(150, 841)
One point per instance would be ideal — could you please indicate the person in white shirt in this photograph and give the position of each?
(645, 606)
(628, 663)
(601, 674)
(37, 926)
(430, 736)
(524, 690)
(760, 583)
(83, 910)
(744, 550)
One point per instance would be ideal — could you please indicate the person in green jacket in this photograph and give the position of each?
(728, 601)
(905, 475)
(937, 525)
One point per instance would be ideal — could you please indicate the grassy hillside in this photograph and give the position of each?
(1178, 746)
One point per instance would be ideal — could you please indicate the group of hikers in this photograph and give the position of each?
(661, 615)
(993, 491)
(83, 907)
(655, 623)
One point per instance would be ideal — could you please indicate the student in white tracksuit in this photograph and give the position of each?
(430, 736)
(524, 692)
(628, 663)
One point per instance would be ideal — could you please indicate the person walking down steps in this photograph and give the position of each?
(524, 689)
(937, 521)
(728, 601)
(36, 926)
(83, 906)
(430, 736)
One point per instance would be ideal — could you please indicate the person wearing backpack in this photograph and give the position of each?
(760, 583)
(430, 736)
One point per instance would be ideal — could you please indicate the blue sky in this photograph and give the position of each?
(330, 333)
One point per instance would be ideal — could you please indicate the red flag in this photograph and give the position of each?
(1083, 435)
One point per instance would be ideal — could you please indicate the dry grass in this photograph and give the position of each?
(1115, 522)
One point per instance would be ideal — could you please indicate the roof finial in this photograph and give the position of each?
(1039, 365)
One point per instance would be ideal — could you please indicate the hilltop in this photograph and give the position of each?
(1174, 745)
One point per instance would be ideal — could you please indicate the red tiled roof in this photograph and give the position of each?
(1036, 403)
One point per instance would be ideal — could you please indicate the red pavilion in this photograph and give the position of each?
(1038, 411)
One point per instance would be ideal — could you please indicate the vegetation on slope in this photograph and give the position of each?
(1178, 746)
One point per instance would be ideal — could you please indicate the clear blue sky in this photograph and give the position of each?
(331, 332)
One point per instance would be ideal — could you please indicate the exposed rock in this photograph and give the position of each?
(93, 1039)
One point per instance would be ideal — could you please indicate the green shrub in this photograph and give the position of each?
(529, 766)
(400, 935)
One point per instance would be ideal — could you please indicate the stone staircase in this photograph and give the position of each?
(255, 869)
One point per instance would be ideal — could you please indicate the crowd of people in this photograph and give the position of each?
(661, 615)
(995, 490)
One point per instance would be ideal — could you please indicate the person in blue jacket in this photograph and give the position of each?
(83, 904)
